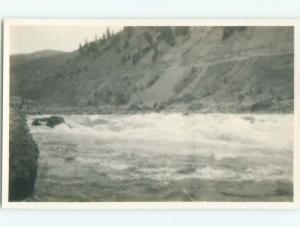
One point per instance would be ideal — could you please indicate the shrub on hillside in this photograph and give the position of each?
(195, 106)
(58, 75)
(92, 48)
(90, 102)
(148, 37)
(230, 30)
(136, 57)
(182, 30)
(126, 44)
(124, 58)
(187, 98)
(146, 50)
(115, 39)
(120, 98)
(241, 97)
(118, 50)
(155, 54)
(261, 105)
(128, 32)
(166, 34)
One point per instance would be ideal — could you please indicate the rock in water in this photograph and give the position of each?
(54, 120)
(50, 121)
(23, 155)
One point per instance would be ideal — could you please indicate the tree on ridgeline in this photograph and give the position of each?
(86, 43)
(103, 37)
(108, 33)
(80, 49)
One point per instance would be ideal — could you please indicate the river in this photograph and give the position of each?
(165, 157)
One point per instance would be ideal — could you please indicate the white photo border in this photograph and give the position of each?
(150, 205)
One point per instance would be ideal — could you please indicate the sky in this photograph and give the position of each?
(28, 39)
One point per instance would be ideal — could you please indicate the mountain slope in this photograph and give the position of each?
(208, 69)
(18, 59)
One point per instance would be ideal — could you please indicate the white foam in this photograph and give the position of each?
(160, 137)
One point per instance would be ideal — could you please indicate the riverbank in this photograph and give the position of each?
(23, 155)
(164, 108)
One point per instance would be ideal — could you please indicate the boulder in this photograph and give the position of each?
(49, 121)
(23, 155)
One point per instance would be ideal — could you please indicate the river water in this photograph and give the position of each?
(165, 157)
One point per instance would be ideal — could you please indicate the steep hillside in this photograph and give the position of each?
(207, 69)
(29, 75)
(18, 59)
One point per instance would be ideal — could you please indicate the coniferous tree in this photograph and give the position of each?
(80, 48)
(108, 33)
(103, 38)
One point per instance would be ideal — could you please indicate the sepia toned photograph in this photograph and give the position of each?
(138, 111)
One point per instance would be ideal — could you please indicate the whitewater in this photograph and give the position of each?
(165, 157)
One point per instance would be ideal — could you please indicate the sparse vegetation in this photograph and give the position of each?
(121, 98)
(128, 32)
(166, 34)
(146, 50)
(126, 44)
(155, 53)
(148, 37)
(261, 105)
(98, 46)
(229, 31)
(58, 75)
(90, 102)
(95, 74)
(195, 106)
(241, 97)
(182, 30)
(136, 56)
(124, 59)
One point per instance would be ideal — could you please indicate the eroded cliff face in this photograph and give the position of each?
(23, 155)
(214, 69)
